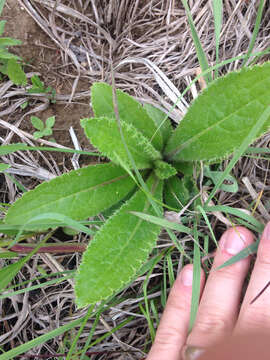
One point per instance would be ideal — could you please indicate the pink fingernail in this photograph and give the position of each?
(235, 241)
(187, 276)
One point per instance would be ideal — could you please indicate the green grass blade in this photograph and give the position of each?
(238, 213)
(241, 149)
(163, 222)
(251, 249)
(74, 343)
(9, 149)
(11, 354)
(198, 46)
(218, 12)
(255, 31)
(196, 280)
(208, 223)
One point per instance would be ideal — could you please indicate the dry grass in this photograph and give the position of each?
(132, 37)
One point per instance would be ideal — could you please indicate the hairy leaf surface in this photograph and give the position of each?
(105, 135)
(222, 116)
(130, 110)
(118, 250)
(78, 194)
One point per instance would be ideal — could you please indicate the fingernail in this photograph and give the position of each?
(266, 232)
(234, 241)
(187, 276)
(192, 352)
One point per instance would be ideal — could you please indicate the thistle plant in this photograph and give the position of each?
(150, 163)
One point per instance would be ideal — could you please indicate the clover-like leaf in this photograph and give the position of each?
(105, 135)
(78, 194)
(118, 250)
(222, 116)
(130, 111)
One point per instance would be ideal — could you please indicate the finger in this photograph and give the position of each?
(257, 315)
(219, 305)
(172, 331)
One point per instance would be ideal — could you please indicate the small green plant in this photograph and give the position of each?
(151, 169)
(43, 129)
(9, 63)
(38, 87)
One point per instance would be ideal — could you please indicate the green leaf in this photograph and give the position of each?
(4, 42)
(178, 192)
(118, 250)
(4, 54)
(4, 167)
(47, 132)
(2, 26)
(185, 168)
(105, 135)
(38, 134)
(78, 194)
(16, 73)
(164, 170)
(161, 120)
(130, 111)
(222, 116)
(37, 123)
(50, 122)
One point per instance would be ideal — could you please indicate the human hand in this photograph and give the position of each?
(218, 316)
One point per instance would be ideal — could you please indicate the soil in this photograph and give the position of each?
(41, 55)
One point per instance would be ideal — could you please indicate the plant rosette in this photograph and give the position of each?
(140, 141)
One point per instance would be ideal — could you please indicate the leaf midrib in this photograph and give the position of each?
(73, 194)
(129, 239)
(195, 137)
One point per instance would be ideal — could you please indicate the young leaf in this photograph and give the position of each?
(118, 250)
(50, 122)
(16, 73)
(161, 120)
(222, 116)
(78, 194)
(47, 131)
(105, 135)
(38, 134)
(37, 123)
(130, 111)
(164, 170)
